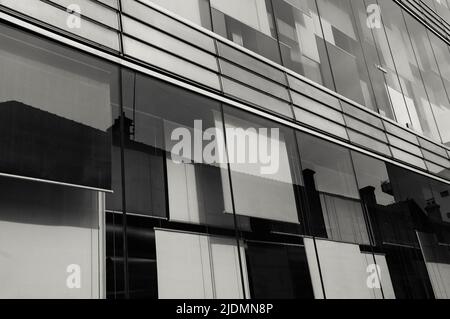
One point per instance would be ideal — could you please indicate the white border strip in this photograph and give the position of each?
(136, 67)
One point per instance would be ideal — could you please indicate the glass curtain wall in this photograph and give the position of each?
(56, 108)
(270, 226)
(301, 40)
(380, 58)
(408, 219)
(220, 202)
(56, 111)
(345, 51)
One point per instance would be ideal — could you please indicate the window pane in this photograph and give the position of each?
(388, 67)
(302, 45)
(330, 184)
(264, 167)
(144, 166)
(396, 205)
(45, 232)
(428, 68)
(55, 120)
(438, 209)
(372, 57)
(442, 111)
(143, 280)
(93, 10)
(173, 134)
(248, 23)
(343, 269)
(437, 259)
(194, 266)
(162, 22)
(418, 105)
(278, 272)
(57, 17)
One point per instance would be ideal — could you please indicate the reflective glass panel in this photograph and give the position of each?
(335, 208)
(248, 23)
(56, 113)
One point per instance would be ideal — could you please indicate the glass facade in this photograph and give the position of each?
(389, 63)
(312, 228)
(56, 111)
(183, 195)
(56, 108)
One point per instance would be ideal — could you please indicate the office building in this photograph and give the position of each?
(281, 149)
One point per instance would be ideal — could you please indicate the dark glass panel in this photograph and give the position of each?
(335, 208)
(144, 166)
(278, 272)
(166, 130)
(429, 70)
(143, 280)
(398, 203)
(55, 120)
(345, 51)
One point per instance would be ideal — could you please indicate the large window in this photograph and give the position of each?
(345, 51)
(335, 208)
(196, 11)
(398, 204)
(49, 241)
(175, 163)
(265, 170)
(442, 110)
(301, 40)
(141, 257)
(413, 89)
(55, 120)
(344, 269)
(377, 57)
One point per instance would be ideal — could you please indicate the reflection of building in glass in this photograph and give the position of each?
(89, 180)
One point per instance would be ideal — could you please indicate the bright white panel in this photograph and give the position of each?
(194, 266)
(34, 261)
